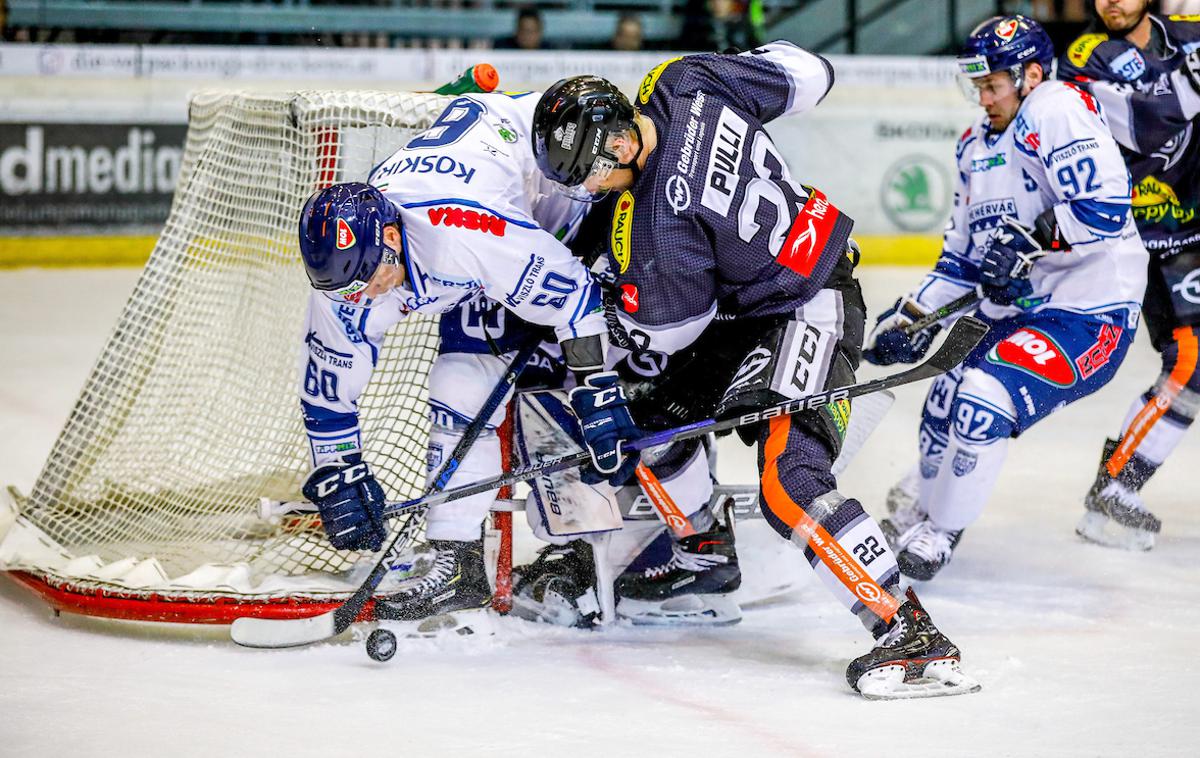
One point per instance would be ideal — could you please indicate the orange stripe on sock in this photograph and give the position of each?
(1151, 412)
(830, 552)
(663, 503)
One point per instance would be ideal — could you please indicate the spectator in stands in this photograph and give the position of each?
(528, 33)
(628, 34)
(719, 25)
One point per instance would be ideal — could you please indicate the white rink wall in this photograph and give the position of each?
(880, 146)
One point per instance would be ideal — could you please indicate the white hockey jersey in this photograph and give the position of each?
(1057, 152)
(476, 216)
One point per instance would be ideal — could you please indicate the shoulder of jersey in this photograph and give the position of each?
(1092, 51)
(650, 81)
(971, 133)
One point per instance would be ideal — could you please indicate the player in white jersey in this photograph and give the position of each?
(1042, 226)
(460, 222)
(461, 213)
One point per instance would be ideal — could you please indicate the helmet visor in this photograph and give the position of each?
(998, 87)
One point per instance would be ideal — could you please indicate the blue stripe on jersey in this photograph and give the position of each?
(1105, 217)
(472, 204)
(957, 268)
(325, 421)
(362, 329)
(589, 300)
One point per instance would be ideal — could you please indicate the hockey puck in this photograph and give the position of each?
(381, 645)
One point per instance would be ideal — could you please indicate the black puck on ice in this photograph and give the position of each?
(381, 645)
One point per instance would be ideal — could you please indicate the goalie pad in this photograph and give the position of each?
(564, 508)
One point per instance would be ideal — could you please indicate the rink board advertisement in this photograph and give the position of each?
(881, 145)
(87, 176)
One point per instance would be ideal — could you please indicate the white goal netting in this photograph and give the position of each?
(190, 414)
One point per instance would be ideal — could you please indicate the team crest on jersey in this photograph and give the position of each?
(622, 227)
(646, 88)
(964, 462)
(1035, 353)
(1006, 29)
(1081, 49)
(345, 235)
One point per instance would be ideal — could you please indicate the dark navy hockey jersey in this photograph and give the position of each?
(715, 223)
(1150, 106)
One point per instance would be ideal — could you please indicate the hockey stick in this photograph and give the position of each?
(960, 341)
(949, 309)
(972, 298)
(275, 633)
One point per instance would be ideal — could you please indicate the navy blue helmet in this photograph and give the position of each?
(341, 238)
(1006, 43)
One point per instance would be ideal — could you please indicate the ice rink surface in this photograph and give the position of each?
(1081, 650)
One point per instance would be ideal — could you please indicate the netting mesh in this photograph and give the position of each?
(190, 414)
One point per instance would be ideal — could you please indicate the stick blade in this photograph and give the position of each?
(283, 633)
(966, 333)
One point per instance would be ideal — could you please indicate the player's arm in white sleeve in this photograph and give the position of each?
(1084, 170)
(341, 346)
(535, 276)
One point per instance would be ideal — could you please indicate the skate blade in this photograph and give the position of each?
(685, 610)
(545, 613)
(940, 678)
(478, 622)
(1099, 529)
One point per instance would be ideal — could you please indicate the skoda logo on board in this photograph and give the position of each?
(915, 193)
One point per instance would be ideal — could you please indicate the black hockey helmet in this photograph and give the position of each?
(571, 129)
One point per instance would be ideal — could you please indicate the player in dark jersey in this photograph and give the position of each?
(1145, 71)
(744, 276)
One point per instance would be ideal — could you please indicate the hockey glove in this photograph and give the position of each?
(603, 414)
(351, 503)
(1007, 263)
(890, 343)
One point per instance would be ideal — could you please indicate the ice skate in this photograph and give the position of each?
(904, 508)
(911, 659)
(558, 587)
(453, 596)
(925, 549)
(694, 586)
(1115, 514)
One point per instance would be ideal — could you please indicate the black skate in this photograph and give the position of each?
(925, 549)
(911, 659)
(558, 587)
(452, 596)
(694, 586)
(1116, 515)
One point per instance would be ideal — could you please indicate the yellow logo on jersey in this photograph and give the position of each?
(1184, 17)
(1082, 48)
(622, 225)
(647, 85)
(1154, 200)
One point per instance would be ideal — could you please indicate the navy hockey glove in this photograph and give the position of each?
(603, 413)
(889, 343)
(1007, 263)
(351, 503)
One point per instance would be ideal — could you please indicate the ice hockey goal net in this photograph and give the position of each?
(147, 507)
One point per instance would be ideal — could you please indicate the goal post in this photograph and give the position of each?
(147, 506)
